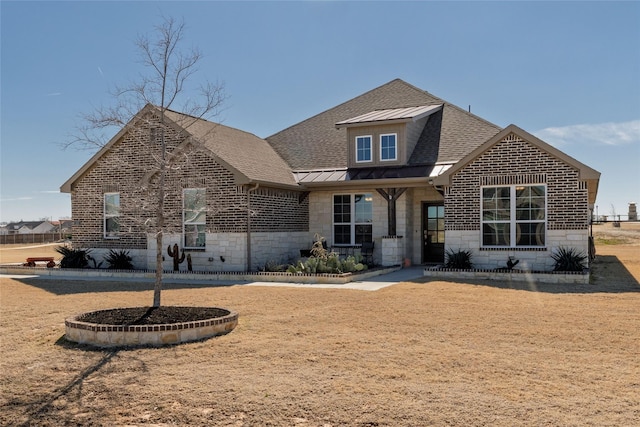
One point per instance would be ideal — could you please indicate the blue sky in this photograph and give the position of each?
(568, 72)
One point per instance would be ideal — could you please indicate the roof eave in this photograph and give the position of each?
(372, 123)
(278, 185)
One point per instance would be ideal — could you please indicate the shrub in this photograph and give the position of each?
(73, 258)
(119, 260)
(323, 261)
(459, 260)
(274, 267)
(568, 259)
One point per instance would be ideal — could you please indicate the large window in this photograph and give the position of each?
(363, 148)
(352, 219)
(111, 215)
(388, 149)
(514, 216)
(194, 217)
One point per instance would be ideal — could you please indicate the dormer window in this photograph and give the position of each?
(385, 138)
(363, 148)
(388, 147)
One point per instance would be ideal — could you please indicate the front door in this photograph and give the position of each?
(432, 232)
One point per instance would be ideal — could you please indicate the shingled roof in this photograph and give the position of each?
(242, 152)
(449, 135)
(316, 144)
(250, 158)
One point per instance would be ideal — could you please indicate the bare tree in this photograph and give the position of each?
(169, 68)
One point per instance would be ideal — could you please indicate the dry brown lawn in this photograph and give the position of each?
(414, 354)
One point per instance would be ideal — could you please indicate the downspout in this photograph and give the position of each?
(249, 191)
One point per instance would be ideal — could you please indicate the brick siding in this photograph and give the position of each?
(514, 161)
(127, 168)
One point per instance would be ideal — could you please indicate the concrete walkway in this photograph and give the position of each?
(371, 284)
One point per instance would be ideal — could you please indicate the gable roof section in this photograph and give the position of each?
(315, 143)
(249, 158)
(591, 176)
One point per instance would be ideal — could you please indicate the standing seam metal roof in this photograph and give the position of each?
(407, 113)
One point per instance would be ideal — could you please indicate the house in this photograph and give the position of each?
(29, 227)
(62, 226)
(396, 166)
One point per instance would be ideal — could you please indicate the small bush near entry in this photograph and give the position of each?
(73, 258)
(119, 260)
(322, 261)
(272, 266)
(568, 259)
(460, 260)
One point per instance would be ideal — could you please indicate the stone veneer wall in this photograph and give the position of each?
(510, 162)
(321, 216)
(126, 169)
(408, 218)
(393, 250)
(280, 247)
(538, 260)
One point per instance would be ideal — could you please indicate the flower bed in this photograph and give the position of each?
(514, 275)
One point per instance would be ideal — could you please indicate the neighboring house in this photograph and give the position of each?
(63, 226)
(29, 227)
(395, 166)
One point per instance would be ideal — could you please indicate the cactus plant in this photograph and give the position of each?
(175, 254)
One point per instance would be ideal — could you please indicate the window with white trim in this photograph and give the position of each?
(111, 215)
(194, 214)
(514, 216)
(388, 147)
(352, 219)
(363, 148)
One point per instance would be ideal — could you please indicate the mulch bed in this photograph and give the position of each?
(151, 315)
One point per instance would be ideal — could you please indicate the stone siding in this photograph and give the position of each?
(279, 247)
(538, 259)
(321, 217)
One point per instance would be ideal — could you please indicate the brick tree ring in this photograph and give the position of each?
(149, 326)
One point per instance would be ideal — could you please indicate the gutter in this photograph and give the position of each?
(249, 191)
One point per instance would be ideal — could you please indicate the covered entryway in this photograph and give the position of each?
(432, 232)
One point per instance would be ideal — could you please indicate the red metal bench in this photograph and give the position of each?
(31, 261)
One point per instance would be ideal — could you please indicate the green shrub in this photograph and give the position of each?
(568, 259)
(119, 260)
(459, 260)
(73, 258)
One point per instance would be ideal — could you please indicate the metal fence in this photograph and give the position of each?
(30, 238)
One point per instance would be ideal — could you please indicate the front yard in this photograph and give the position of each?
(414, 354)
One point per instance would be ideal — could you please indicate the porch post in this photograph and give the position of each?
(391, 195)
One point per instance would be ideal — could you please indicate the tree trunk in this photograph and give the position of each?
(157, 288)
